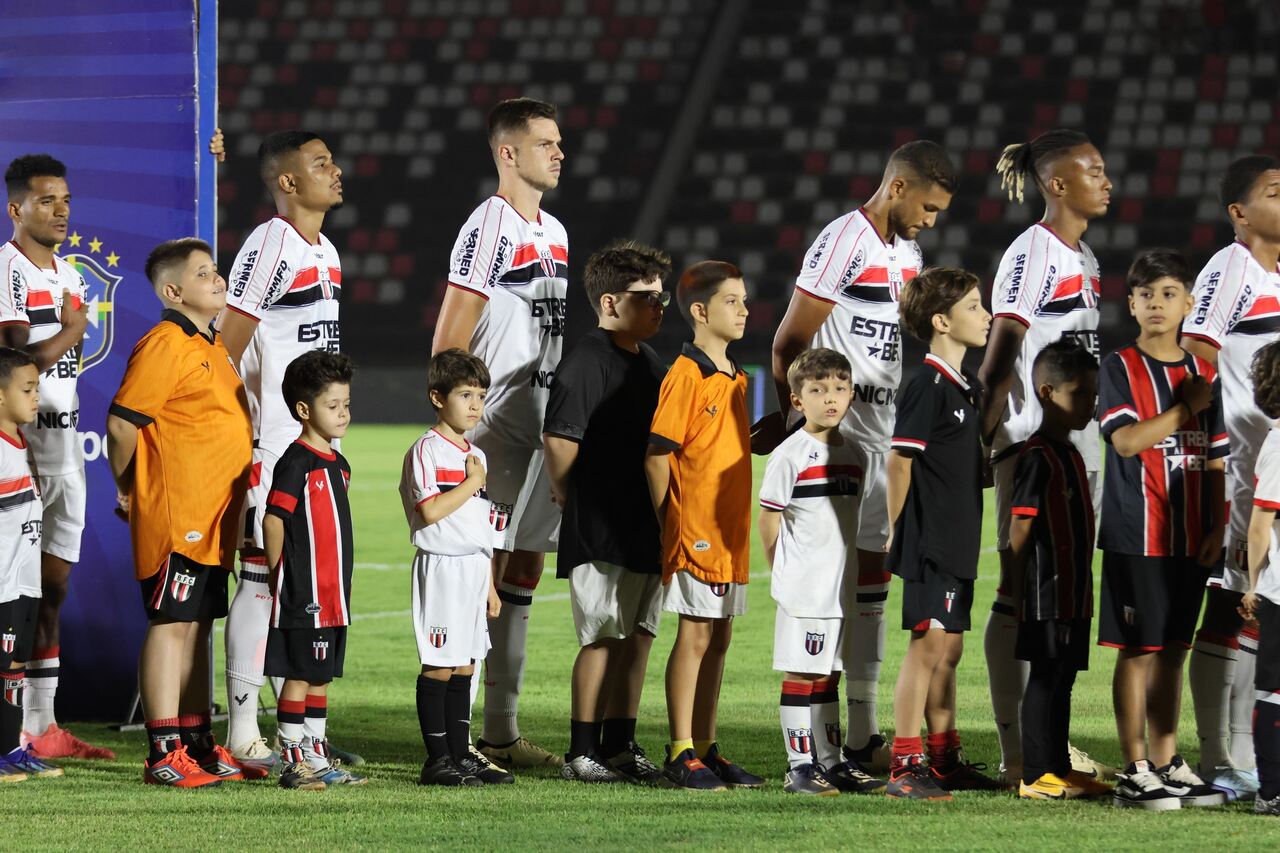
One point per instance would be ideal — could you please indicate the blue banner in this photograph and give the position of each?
(124, 93)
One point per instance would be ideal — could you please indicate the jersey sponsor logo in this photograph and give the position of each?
(542, 378)
(66, 367)
(500, 253)
(819, 250)
(8, 642)
(438, 636)
(313, 609)
(15, 287)
(320, 649)
(874, 394)
(959, 413)
(32, 530)
(180, 586)
(241, 281)
(814, 643)
(466, 254)
(800, 740)
(1185, 449)
(193, 536)
(1015, 279)
(854, 267)
(100, 292)
(276, 287)
(320, 330)
(552, 310)
(1087, 338)
(703, 545)
(886, 335)
(1207, 291)
(1246, 297)
(58, 420)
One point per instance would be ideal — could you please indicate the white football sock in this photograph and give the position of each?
(1210, 674)
(42, 688)
(504, 667)
(1007, 678)
(248, 620)
(797, 726)
(824, 717)
(863, 651)
(1243, 699)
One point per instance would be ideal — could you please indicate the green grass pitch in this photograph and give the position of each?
(104, 805)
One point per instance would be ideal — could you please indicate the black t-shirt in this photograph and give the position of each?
(603, 398)
(941, 520)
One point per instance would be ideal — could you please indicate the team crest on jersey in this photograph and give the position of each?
(180, 586)
(438, 636)
(320, 649)
(814, 643)
(950, 600)
(13, 691)
(719, 590)
(7, 642)
(800, 740)
(499, 516)
(100, 293)
(548, 262)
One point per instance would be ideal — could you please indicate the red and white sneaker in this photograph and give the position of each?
(223, 764)
(57, 742)
(178, 770)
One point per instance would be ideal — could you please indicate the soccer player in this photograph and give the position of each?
(846, 298)
(1051, 540)
(42, 311)
(308, 544)
(808, 520)
(508, 280)
(442, 488)
(179, 442)
(698, 466)
(596, 433)
(1047, 286)
(282, 302)
(1262, 600)
(1236, 312)
(1162, 524)
(935, 512)
(20, 514)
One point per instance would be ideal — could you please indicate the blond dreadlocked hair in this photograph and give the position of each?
(1023, 159)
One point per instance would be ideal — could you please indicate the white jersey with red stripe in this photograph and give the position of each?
(817, 487)
(521, 269)
(862, 276)
(433, 466)
(1267, 496)
(20, 514)
(292, 288)
(32, 296)
(1053, 290)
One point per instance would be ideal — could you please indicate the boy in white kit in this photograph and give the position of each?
(809, 503)
(445, 503)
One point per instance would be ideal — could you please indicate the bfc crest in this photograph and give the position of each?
(8, 642)
(499, 516)
(814, 643)
(950, 600)
(800, 740)
(719, 590)
(320, 649)
(100, 287)
(833, 734)
(13, 691)
(438, 636)
(548, 263)
(180, 586)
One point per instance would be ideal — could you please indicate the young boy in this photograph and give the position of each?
(1262, 601)
(20, 516)
(442, 487)
(699, 470)
(1162, 525)
(935, 509)
(1051, 538)
(179, 444)
(809, 502)
(307, 538)
(595, 435)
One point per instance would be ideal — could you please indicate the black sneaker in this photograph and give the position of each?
(850, 778)
(914, 781)
(445, 771)
(589, 768)
(636, 766)
(1139, 786)
(873, 758)
(686, 770)
(1267, 807)
(474, 763)
(1179, 780)
(960, 774)
(809, 779)
(730, 773)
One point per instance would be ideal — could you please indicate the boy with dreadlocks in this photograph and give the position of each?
(1047, 287)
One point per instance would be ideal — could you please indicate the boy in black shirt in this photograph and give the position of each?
(935, 514)
(596, 433)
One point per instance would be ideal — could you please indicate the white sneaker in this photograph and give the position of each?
(256, 753)
(1239, 785)
(585, 768)
(1081, 762)
(1179, 780)
(1139, 787)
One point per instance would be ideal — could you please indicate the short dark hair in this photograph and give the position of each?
(167, 255)
(453, 368)
(17, 178)
(1152, 265)
(700, 282)
(1265, 374)
(815, 364)
(928, 161)
(1025, 159)
(934, 291)
(515, 114)
(10, 360)
(1062, 361)
(619, 265)
(309, 374)
(276, 147)
(1241, 175)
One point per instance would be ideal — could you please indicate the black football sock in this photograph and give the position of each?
(164, 737)
(1266, 744)
(616, 735)
(196, 734)
(457, 706)
(432, 716)
(584, 738)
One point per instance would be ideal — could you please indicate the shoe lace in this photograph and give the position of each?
(183, 762)
(481, 759)
(1182, 773)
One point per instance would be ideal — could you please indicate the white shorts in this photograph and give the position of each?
(611, 603)
(689, 596)
(450, 604)
(523, 515)
(807, 646)
(255, 500)
(873, 511)
(1003, 471)
(1235, 550)
(63, 496)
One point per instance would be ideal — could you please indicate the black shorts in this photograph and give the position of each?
(1222, 621)
(1064, 640)
(1267, 675)
(936, 600)
(185, 591)
(17, 630)
(1149, 603)
(314, 655)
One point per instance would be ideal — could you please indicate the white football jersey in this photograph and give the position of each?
(33, 296)
(817, 487)
(433, 466)
(522, 269)
(20, 514)
(862, 276)
(1236, 310)
(1053, 290)
(292, 288)
(1267, 495)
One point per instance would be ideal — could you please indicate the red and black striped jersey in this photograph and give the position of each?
(1051, 487)
(312, 583)
(1155, 503)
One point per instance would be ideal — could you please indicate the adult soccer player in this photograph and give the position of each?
(846, 299)
(42, 311)
(508, 280)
